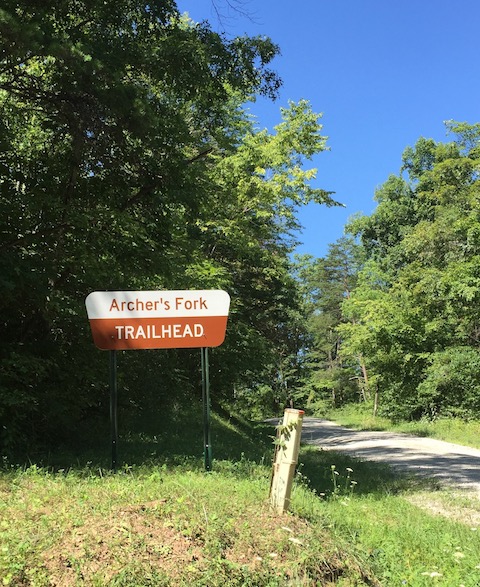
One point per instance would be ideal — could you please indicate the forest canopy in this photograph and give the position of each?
(128, 160)
(405, 322)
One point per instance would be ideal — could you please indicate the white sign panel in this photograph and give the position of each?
(158, 319)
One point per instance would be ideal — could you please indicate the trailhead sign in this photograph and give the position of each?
(124, 320)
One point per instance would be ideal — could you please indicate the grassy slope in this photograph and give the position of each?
(162, 520)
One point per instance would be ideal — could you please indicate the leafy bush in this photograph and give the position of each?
(452, 383)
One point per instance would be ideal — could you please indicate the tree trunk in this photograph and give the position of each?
(375, 402)
(366, 390)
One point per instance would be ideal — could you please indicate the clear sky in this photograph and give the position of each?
(382, 72)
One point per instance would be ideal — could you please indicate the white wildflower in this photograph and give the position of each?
(295, 540)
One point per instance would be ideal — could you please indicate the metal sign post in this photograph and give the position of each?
(206, 410)
(113, 408)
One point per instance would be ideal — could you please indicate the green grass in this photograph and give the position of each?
(162, 520)
(455, 430)
(410, 531)
(404, 545)
(159, 526)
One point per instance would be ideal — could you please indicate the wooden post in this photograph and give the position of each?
(285, 461)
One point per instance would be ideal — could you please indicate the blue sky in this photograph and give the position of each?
(382, 72)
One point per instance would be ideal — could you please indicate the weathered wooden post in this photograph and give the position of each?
(285, 460)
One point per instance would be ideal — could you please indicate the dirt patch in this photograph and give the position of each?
(101, 547)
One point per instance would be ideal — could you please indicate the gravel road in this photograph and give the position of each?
(451, 464)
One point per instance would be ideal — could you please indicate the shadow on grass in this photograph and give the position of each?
(154, 438)
(184, 439)
(176, 439)
(319, 467)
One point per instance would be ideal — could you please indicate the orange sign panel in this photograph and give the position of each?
(122, 320)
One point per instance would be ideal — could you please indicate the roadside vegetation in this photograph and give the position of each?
(129, 161)
(161, 519)
(67, 520)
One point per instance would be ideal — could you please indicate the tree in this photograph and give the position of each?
(105, 112)
(326, 283)
(414, 306)
(251, 234)
(128, 162)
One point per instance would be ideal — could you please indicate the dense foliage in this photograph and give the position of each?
(413, 314)
(128, 162)
(325, 283)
